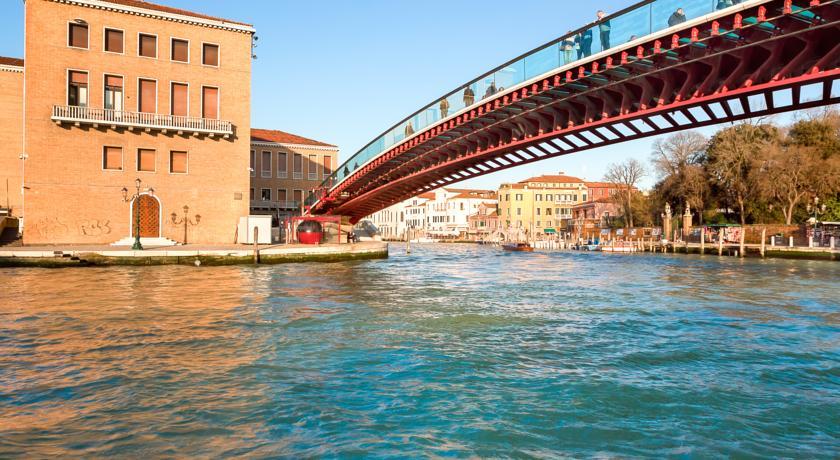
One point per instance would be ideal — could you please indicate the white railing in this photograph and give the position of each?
(273, 204)
(90, 115)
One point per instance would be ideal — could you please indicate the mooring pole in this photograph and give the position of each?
(741, 243)
(256, 245)
(763, 238)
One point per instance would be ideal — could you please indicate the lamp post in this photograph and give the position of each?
(817, 211)
(186, 220)
(137, 246)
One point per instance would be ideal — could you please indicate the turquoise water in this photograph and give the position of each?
(453, 351)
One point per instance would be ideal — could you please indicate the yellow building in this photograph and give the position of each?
(540, 202)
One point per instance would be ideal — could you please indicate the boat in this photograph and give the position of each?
(425, 240)
(521, 247)
(620, 247)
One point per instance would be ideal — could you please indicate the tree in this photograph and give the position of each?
(821, 131)
(625, 176)
(734, 160)
(678, 161)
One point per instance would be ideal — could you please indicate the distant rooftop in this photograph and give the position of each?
(167, 9)
(17, 62)
(548, 178)
(281, 137)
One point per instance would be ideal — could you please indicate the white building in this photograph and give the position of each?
(442, 213)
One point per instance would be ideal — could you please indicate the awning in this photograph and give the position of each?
(549, 231)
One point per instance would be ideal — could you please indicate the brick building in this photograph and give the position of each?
(119, 90)
(11, 134)
(284, 169)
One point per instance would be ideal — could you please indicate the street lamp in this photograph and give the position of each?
(818, 209)
(185, 220)
(137, 246)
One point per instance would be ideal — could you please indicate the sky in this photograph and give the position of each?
(342, 71)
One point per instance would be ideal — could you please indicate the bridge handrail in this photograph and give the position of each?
(634, 22)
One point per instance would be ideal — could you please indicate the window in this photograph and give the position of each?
(253, 163)
(297, 167)
(252, 194)
(518, 211)
(113, 92)
(313, 167)
(539, 211)
(549, 197)
(147, 45)
(210, 54)
(209, 102)
(539, 224)
(113, 41)
(179, 99)
(178, 162)
(297, 197)
(112, 158)
(180, 51)
(146, 160)
(265, 165)
(539, 197)
(77, 90)
(547, 211)
(327, 165)
(147, 102)
(77, 36)
(265, 194)
(282, 166)
(281, 195)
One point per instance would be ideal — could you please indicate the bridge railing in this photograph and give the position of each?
(619, 29)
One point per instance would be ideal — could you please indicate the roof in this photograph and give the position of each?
(427, 196)
(473, 194)
(281, 137)
(169, 9)
(16, 62)
(600, 184)
(551, 179)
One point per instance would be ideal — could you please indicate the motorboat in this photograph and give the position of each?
(519, 247)
(425, 240)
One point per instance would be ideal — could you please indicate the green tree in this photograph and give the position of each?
(734, 160)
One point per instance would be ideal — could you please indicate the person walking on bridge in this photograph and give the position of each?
(444, 108)
(567, 46)
(469, 97)
(678, 17)
(604, 28)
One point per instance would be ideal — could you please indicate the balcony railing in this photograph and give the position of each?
(274, 204)
(121, 118)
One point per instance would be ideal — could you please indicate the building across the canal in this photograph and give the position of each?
(119, 90)
(284, 169)
(539, 203)
(442, 213)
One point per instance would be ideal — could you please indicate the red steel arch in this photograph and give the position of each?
(779, 56)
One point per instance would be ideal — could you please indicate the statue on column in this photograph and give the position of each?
(666, 222)
(687, 221)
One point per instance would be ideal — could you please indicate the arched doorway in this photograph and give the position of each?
(149, 209)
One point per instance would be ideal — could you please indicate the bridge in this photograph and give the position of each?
(643, 71)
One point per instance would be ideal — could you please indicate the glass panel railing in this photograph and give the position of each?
(613, 31)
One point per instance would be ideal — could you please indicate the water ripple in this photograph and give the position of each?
(453, 350)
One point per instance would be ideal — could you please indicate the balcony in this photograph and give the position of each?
(273, 204)
(140, 120)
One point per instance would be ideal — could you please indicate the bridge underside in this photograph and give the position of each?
(768, 59)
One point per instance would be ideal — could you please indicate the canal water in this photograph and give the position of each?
(454, 350)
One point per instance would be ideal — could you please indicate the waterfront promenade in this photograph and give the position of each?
(80, 255)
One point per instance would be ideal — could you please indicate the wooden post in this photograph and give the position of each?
(256, 245)
(702, 240)
(790, 242)
(720, 243)
(831, 243)
(407, 242)
(763, 238)
(741, 243)
(674, 242)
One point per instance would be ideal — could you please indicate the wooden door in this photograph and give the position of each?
(149, 210)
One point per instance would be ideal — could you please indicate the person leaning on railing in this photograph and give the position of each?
(678, 17)
(604, 28)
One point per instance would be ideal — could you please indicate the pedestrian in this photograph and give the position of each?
(409, 129)
(604, 28)
(444, 108)
(586, 43)
(567, 46)
(678, 17)
(469, 97)
(491, 90)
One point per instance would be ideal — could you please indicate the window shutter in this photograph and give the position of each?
(179, 99)
(80, 78)
(146, 160)
(178, 162)
(111, 80)
(114, 41)
(112, 158)
(180, 50)
(211, 54)
(210, 101)
(148, 95)
(148, 46)
(79, 35)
